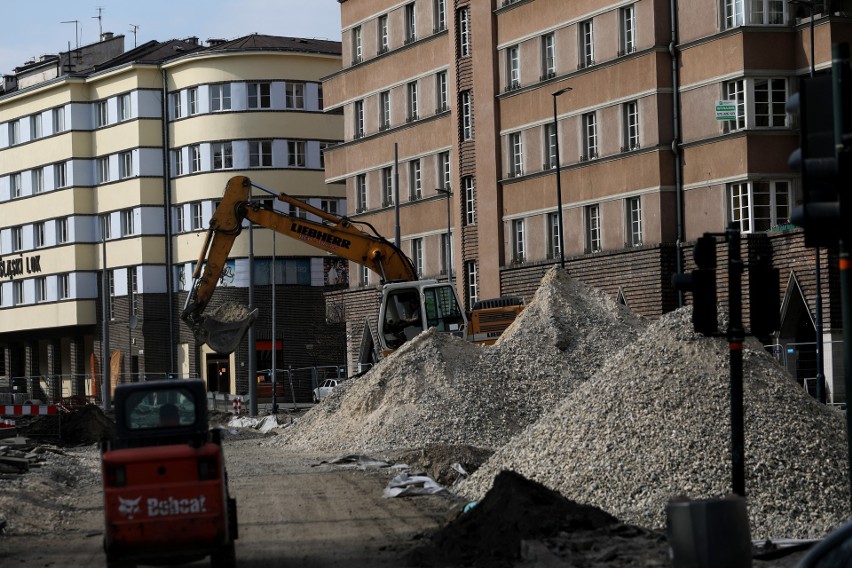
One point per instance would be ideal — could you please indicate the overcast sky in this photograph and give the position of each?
(35, 27)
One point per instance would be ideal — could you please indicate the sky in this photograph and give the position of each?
(32, 28)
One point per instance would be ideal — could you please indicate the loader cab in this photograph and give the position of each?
(408, 309)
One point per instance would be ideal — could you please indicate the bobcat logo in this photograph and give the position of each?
(129, 506)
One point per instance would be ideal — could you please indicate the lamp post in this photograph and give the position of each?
(449, 194)
(559, 179)
(820, 370)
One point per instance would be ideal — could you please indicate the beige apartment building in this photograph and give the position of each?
(111, 165)
(482, 102)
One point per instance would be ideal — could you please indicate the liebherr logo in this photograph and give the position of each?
(311, 233)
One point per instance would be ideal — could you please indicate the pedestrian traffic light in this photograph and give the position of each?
(764, 296)
(702, 283)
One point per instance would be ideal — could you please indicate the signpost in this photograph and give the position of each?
(726, 110)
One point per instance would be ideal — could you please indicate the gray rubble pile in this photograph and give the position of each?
(439, 389)
(655, 424)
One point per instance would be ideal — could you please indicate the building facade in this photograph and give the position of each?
(108, 178)
(483, 102)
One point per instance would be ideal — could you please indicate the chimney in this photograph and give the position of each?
(214, 41)
(192, 39)
(106, 36)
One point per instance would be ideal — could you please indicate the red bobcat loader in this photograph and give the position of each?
(165, 485)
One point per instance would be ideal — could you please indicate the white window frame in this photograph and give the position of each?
(770, 95)
(125, 165)
(757, 206)
(513, 67)
(127, 223)
(587, 43)
(469, 201)
(411, 90)
(633, 229)
(58, 120)
(62, 230)
(17, 239)
(440, 15)
(592, 215)
(444, 172)
(516, 154)
(18, 292)
(548, 56)
(471, 281)
(549, 146)
(14, 132)
(196, 213)
(177, 105)
(36, 130)
(358, 113)
(733, 13)
(518, 241)
(553, 235)
(590, 136)
(180, 221)
(60, 175)
(63, 286)
(106, 226)
(410, 23)
(384, 110)
(103, 169)
(101, 114)
(417, 255)
(260, 154)
(111, 288)
(124, 107)
(415, 180)
(464, 32)
(220, 97)
(630, 121)
(195, 158)
(39, 234)
(222, 156)
(294, 94)
(467, 115)
(296, 153)
(16, 187)
(177, 156)
(38, 180)
(133, 277)
(627, 31)
(357, 45)
(192, 101)
(383, 35)
(361, 193)
(387, 187)
(259, 95)
(442, 93)
(40, 289)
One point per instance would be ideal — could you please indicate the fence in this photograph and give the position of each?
(295, 386)
(800, 361)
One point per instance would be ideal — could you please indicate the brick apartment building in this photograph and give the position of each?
(482, 101)
(111, 164)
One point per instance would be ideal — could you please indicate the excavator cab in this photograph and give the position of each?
(409, 308)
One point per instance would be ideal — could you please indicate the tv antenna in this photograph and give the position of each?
(76, 30)
(100, 20)
(135, 27)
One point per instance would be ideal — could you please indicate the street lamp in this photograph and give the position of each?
(449, 194)
(559, 179)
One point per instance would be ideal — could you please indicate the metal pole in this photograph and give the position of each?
(105, 383)
(449, 241)
(559, 180)
(252, 341)
(736, 336)
(274, 342)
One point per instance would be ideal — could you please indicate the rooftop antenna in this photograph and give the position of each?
(76, 30)
(135, 27)
(99, 17)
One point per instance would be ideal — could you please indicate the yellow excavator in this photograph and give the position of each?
(409, 305)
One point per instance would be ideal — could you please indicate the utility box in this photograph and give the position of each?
(709, 533)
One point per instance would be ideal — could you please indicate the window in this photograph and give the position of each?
(549, 147)
(760, 205)
(15, 187)
(364, 275)
(17, 239)
(627, 21)
(446, 253)
(440, 15)
(260, 154)
(464, 32)
(444, 170)
(103, 169)
(195, 158)
(770, 96)
(548, 56)
(516, 155)
(125, 165)
(178, 161)
(387, 187)
(358, 111)
(38, 234)
(590, 137)
(587, 44)
(60, 174)
(384, 42)
(384, 110)
(124, 107)
(58, 120)
(294, 95)
(469, 203)
(295, 211)
(471, 282)
(320, 99)
(513, 67)
(412, 100)
(417, 254)
(735, 91)
(127, 222)
(633, 219)
(40, 289)
(442, 94)
(102, 112)
(177, 107)
(259, 95)
(220, 97)
(518, 240)
(734, 13)
(768, 12)
(35, 127)
(410, 24)
(106, 226)
(630, 121)
(329, 206)
(63, 287)
(223, 156)
(593, 228)
(467, 115)
(296, 153)
(323, 147)
(553, 242)
(414, 180)
(18, 292)
(195, 211)
(180, 221)
(192, 95)
(38, 180)
(361, 192)
(62, 230)
(357, 54)
(14, 132)
(132, 273)
(111, 288)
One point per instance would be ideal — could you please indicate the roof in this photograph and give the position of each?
(279, 43)
(152, 52)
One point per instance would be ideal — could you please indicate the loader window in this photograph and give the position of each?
(158, 409)
(442, 309)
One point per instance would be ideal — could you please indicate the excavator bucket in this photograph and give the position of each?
(223, 329)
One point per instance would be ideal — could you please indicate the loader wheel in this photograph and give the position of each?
(224, 557)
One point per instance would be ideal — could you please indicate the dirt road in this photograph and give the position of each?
(291, 513)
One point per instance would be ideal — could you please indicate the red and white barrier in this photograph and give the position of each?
(28, 409)
(238, 405)
(7, 424)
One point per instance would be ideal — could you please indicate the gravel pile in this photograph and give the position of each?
(439, 389)
(655, 424)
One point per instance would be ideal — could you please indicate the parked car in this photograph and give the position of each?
(325, 389)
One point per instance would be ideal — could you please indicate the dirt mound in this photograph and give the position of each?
(438, 461)
(86, 425)
(655, 424)
(514, 510)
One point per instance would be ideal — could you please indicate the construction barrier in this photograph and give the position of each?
(238, 405)
(7, 424)
(28, 409)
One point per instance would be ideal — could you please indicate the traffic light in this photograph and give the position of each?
(764, 296)
(702, 283)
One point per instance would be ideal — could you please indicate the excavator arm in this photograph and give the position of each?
(338, 235)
